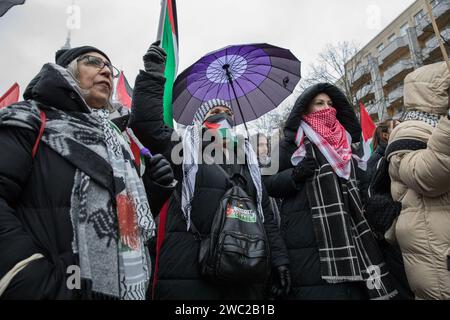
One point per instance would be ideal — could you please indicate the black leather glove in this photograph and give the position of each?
(304, 170)
(281, 282)
(160, 170)
(155, 59)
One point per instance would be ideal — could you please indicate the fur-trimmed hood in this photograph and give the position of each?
(345, 113)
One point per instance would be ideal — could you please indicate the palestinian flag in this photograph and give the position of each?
(124, 94)
(368, 130)
(5, 5)
(123, 91)
(169, 42)
(11, 96)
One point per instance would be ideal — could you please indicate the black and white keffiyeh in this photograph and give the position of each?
(415, 115)
(192, 142)
(110, 213)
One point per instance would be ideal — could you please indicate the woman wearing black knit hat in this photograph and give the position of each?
(74, 211)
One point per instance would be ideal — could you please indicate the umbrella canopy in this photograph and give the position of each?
(254, 78)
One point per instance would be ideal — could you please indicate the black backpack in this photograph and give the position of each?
(381, 209)
(237, 248)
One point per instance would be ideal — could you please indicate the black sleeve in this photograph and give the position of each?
(363, 178)
(146, 119)
(40, 279)
(157, 194)
(281, 185)
(278, 249)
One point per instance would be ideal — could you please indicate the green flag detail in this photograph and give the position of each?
(169, 43)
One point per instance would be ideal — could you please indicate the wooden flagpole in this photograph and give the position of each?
(438, 34)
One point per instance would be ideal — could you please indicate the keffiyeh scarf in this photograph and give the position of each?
(192, 142)
(324, 130)
(431, 119)
(110, 213)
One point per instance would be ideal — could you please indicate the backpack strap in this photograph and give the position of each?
(41, 133)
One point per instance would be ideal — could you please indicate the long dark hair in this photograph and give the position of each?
(383, 127)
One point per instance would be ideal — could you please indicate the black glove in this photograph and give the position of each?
(155, 59)
(160, 170)
(281, 282)
(304, 170)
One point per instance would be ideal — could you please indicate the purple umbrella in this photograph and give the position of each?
(254, 78)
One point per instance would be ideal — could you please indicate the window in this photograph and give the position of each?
(419, 16)
(380, 47)
(391, 38)
(434, 3)
(404, 29)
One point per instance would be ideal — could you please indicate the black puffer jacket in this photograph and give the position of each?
(179, 276)
(296, 220)
(35, 197)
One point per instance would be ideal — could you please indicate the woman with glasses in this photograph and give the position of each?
(74, 212)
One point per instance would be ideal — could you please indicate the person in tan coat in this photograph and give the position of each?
(420, 180)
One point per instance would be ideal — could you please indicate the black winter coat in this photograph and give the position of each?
(179, 276)
(296, 221)
(372, 168)
(35, 199)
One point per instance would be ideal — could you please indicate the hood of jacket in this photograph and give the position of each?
(426, 89)
(54, 86)
(345, 113)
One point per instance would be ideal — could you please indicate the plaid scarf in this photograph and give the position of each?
(338, 153)
(110, 213)
(347, 248)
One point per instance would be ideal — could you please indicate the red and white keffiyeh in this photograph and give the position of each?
(324, 130)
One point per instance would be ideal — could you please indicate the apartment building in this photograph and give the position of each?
(405, 44)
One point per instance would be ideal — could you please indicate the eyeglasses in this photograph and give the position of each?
(99, 63)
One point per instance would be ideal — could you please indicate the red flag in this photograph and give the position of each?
(368, 130)
(367, 125)
(124, 91)
(11, 96)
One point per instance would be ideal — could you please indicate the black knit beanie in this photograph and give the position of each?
(65, 56)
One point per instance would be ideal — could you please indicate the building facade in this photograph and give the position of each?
(407, 43)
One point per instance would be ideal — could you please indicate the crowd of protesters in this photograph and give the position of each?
(72, 193)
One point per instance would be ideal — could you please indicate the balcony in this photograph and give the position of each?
(373, 108)
(395, 100)
(442, 16)
(395, 95)
(431, 52)
(361, 75)
(366, 93)
(396, 49)
(397, 72)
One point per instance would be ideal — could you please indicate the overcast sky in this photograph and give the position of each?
(30, 34)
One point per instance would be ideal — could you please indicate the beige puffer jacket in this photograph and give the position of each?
(421, 182)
